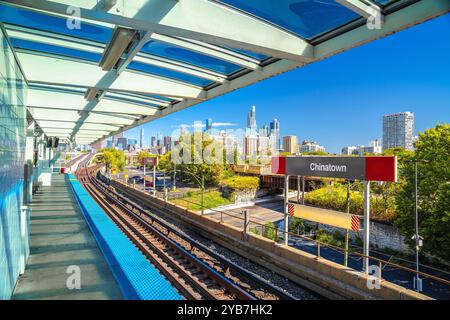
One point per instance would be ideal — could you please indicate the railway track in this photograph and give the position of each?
(195, 270)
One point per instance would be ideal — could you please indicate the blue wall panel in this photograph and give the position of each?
(12, 150)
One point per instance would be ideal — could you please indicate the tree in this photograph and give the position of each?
(112, 158)
(432, 146)
(165, 163)
(189, 153)
(145, 154)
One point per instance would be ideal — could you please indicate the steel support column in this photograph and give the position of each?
(286, 215)
(366, 245)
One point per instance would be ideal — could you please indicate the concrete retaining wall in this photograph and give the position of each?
(382, 236)
(327, 278)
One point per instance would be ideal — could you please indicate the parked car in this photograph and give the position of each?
(160, 184)
(135, 179)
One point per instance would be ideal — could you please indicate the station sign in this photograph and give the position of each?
(352, 168)
(325, 216)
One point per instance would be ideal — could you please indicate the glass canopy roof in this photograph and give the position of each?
(54, 24)
(55, 50)
(180, 54)
(147, 68)
(307, 18)
(140, 60)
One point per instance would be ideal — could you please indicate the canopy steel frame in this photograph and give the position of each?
(166, 21)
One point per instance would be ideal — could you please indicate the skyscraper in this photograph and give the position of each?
(208, 124)
(115, 137)
(168, 143)
(141, 143)
(251, 119)
(398, 130)
(264, 131)
(275, 134)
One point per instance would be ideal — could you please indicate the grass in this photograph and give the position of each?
(211, 200)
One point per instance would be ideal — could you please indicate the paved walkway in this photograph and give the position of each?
(61, 238)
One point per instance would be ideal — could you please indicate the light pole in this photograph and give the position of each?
(174, 177)
(417, 237)
(201, 183)
(203, 191)
(145, 164)
(154, 177)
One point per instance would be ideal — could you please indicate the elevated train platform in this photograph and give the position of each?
(67, 228)
(59, 238)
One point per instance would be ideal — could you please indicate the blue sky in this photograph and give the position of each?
(340, 101)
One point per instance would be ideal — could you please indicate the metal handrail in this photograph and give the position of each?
(323, 244)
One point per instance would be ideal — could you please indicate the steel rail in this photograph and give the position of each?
(202, 268)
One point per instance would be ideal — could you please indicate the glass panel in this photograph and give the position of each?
(147, 68)
(123, 99)
(385, 2)
(258, 56)
(141, 96)
(35, 20)
(48, 48)
(168, 51)
(307, 18)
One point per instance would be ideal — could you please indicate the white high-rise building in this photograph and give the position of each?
(398, 131)
(310, 146)
(374, 147)
(349, 150)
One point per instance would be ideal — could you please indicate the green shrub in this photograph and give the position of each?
(334, 197)
(331, 239)
(270, 231)
(295, 223)
(210, 200)
(241, 183)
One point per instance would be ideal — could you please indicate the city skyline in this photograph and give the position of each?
(319, 101)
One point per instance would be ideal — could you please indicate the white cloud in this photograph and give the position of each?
(224, 124)
(202, 125)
